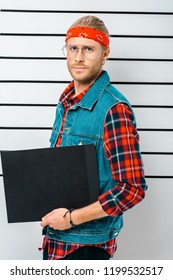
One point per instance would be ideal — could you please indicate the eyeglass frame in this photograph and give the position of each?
(82, 47)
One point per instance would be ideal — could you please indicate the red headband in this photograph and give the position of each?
(88, 33)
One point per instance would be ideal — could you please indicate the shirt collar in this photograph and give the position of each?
(67, 98)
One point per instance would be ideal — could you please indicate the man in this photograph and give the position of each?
(92, 111)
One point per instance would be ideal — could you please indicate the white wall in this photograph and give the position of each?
(33, 75)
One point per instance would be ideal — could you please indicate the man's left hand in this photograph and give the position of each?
(56, 220)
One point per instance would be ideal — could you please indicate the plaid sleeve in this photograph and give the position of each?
(121, 144)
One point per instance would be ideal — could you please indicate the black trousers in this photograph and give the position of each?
(84, 253)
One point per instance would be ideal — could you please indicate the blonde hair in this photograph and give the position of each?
(93, 22)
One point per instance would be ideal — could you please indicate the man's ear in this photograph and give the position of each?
(106, 53)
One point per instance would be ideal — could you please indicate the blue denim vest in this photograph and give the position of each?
(85, 125)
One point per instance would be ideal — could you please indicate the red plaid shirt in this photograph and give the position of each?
(122, 150)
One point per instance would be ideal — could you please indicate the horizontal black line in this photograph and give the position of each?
(34, 34)
(85, 12)
(66, 82)
(35, 82)
(33, 58)
(143, 36)
(112, 36)
(154, 106)
(50, 128)
(110, 59)
(142, 83)
(27, 105)
(24, 128)
(53, 105)
(156, 129)
(142, 59)
(157, 153)
(158, 177)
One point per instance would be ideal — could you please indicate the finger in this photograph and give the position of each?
(47, 215)
(44, 223)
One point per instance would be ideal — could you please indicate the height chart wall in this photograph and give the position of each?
(33, 74)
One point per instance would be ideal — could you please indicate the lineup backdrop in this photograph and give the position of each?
(33, 74)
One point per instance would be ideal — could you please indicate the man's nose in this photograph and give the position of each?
(79, 55)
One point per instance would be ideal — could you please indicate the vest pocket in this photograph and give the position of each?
(74, 140)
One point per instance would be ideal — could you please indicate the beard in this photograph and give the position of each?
(84, 74)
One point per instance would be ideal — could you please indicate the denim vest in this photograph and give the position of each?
(85, 125)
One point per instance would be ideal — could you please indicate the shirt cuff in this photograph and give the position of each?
(107, 202)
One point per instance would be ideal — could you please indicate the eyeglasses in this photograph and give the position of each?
(72, 50)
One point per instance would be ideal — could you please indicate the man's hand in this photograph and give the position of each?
(55, 219)
(85, 214)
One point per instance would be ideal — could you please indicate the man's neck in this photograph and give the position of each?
(80, 87)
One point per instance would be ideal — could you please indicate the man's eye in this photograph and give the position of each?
(88, 49)
(73, 48)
